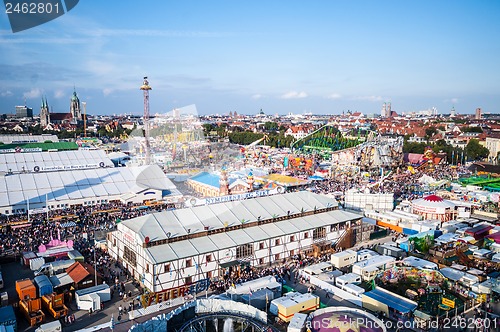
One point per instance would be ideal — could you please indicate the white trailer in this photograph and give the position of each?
(369, 268)
(365, 254)
(36, 263)
(54, 326)
(319, 268)
(344, 258)
(285, 307)
(298, 323)
(91, 298)
(54, 268)
(350, 278)
(353, 289)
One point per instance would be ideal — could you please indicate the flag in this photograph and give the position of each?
(249, 291)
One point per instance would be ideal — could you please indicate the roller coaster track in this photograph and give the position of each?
(302, 142)
(481, 183)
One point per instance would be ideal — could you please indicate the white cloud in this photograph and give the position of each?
(7, 93)
(334, 96)
(294, 95)
(107, 91)
(454, 100)
(33, 93)
(369, 98)
(257, 96)
(58, 94)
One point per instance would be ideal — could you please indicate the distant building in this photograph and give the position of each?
(44, 113)
(170, 250)
(212, 185)
(60, 118)
(73, 117)
(74, 109)
(479, 114)
(453, 112)
(493, 145)
(24, 112)
(384, 110)
(297, 132)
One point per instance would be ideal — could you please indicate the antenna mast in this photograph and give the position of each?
(84, 103)
(145, 87)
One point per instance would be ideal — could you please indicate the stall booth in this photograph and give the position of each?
(386, 302)
(91, 298)
(433, 207)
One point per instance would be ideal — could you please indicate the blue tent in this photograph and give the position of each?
(316, 178)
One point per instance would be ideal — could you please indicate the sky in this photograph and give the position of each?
(319, 56)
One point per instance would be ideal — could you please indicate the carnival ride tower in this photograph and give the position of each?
(145, 87)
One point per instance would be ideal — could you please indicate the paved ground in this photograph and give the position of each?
(14, 271)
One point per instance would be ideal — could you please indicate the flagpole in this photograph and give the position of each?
(47, 206)
(267, 301)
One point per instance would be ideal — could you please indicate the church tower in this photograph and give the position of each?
(44, 113)
(74, 108)
(223, 183)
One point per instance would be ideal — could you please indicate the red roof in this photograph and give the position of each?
(494, 237)
(433, 198)
(77, 272)
(60, 116)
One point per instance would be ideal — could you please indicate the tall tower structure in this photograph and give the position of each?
(479, 114)
(44, 113)
(388, 111)
(384, 110)
(145, 87)
(74, 108)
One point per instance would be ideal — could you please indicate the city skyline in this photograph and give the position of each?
(321, 57)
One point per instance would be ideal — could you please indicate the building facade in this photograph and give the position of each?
(74, 109)
(172, 250)
(214, 185)
(24, 112)
(493, 145)
(44, 113)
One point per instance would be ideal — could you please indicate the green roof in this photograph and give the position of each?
(61, 146)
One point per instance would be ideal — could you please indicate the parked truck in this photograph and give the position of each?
(25, 289)
(285, 307)
(32, 310)
(54, 304)
(43, 285)
(54, 268)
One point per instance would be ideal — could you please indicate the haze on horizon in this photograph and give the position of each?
(282, 56)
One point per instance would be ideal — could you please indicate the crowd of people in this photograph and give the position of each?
(286, 271)
(404, 185)
(73, 223)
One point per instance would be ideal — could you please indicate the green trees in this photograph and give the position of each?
(270, 126)
(429, 132)
(475, 151)
(471, 129)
